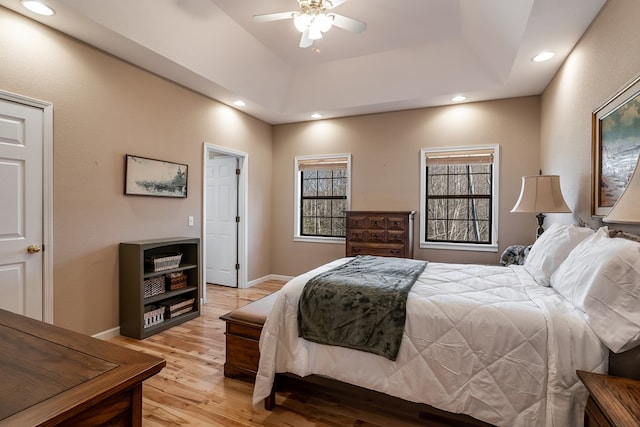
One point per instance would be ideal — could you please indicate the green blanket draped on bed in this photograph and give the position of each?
(360, 304)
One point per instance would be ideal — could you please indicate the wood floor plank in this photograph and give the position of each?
(192, 390)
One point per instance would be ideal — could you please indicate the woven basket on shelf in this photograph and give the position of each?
(153, 315)
(176, 281)
(154, 286)
(162, 262)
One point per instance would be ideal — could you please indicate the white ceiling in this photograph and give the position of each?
(414, 53)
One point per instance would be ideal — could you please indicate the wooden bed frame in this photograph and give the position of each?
(626, 364)
(367, 400)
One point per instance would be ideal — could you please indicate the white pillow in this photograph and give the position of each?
(551, 248)
(601, 277)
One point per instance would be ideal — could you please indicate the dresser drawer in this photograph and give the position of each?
(377, 250)
(377, 236)
(396, 236)
(357, 221)
(396, 223)
(358, 235)
(377, 222)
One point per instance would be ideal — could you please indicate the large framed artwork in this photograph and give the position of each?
(616, 146)
(151, 177)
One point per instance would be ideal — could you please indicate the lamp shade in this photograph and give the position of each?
(626, 210)
(541, 193)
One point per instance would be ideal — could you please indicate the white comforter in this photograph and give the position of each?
(481, 340)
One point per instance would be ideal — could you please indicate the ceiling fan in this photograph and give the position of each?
(312, 20)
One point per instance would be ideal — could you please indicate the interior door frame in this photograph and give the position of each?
(47, 196)
(243, 201)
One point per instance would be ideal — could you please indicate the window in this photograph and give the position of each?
(459, 192)
(322, 194)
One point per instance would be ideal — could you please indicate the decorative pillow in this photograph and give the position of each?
(514, 254)
(601, 277)
(551, 248)
(623, 235)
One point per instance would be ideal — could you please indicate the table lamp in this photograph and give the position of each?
(541, 193)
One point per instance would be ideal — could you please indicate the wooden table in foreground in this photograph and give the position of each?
(55, 377)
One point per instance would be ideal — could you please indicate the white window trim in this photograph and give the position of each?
(488, 247)
(297, 200)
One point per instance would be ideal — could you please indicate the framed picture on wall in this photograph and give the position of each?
(151, 177)
(616, 146)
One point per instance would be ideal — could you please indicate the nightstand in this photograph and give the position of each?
(613, 401)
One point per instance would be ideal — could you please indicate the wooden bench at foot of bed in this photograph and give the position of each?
(243, 329)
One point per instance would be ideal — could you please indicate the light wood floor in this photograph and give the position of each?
(192, 390)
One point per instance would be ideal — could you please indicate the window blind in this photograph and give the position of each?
(323, 163)
(459, 157)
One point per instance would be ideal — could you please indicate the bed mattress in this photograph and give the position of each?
(486, 341)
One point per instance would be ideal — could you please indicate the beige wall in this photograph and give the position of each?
(104, 108)
(602, 62)
(385, 152)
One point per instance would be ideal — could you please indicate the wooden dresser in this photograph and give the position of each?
(613, 401)
(381, 233)
(55, 377)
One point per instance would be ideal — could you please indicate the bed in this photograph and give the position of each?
(499, 344)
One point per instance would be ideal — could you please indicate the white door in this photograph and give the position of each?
(21, 209)
(222, 227)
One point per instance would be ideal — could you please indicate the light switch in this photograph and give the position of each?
(190, 221)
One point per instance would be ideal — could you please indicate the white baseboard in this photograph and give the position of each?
(105, 335)
(269, 277)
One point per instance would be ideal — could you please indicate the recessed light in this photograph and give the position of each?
(543, 56)
(316, 116)
(239, 103)
(38, 7)
(458, 98)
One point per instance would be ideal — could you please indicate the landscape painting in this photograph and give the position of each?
(617, 146)
(150, 177)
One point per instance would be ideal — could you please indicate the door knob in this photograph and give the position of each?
(33, 249)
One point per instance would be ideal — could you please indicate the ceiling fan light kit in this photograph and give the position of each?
(314, 24)
(312, 20)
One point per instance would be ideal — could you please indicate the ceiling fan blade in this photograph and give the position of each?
(305, 41)
(348, 24)
(273, 16)
(334, 3)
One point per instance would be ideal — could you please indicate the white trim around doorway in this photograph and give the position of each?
(47, 195)
(243, 202)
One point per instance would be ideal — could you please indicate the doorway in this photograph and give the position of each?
(26, 218)
(224, 225)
